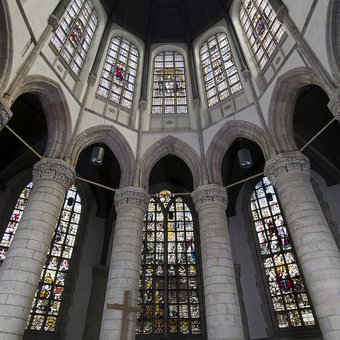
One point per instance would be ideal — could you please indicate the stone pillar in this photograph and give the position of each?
(20, 272)
(131, 205)
(315, 246)
(221, 298)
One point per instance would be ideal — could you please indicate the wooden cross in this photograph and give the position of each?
(126, 309)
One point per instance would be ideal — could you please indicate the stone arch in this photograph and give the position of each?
(282, 105)
(114, 140)
(6, 49)
(224, 138)
(174, 146)
(332, 38)
(54, 104)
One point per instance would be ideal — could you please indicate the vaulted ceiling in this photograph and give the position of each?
(166, 20)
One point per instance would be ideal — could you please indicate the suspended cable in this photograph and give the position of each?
(180, 193)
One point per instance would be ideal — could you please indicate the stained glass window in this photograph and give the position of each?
(47, 300)
(221, 78)
(118, 78)
(169, 88)
(14, 221)
(287, 288)
(169, 282)
(261, 27)
(73, 37)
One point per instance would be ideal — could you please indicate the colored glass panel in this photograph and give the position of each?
(169, 88)
(286, 285)
(221, 78)
(73, 37)
(48, 297)
(14, 221)
(118, 79)
(169, 283)
(262, 28)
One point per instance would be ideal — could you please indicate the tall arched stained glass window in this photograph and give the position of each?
(290, 300)
(261, 27)
(73, 37)
(169, 281)
(169, 86)
(118, 79)
(14, 221)
(48, 297)
(221, 78)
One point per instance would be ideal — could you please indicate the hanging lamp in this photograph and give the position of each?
(97, 155)
(244, 157)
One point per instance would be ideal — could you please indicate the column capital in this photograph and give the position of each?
(53, 21)
(91, 79)
(54, 169)
(286, 164)
(131, 197)
(210, 193)
(5, 114)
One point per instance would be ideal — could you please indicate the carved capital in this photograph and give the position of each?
(197, 103)
(334, 104)
(210, 193)
(54, 22)
(5, 114)
(286, 164)
(132, 197)
(56, 170)
(246, 74)
(91, 79)
(142, 105)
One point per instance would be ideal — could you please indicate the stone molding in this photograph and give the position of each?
(286, 164)
(282, 13)
(131, 197)
(5, 114)
(54, 22)
(54, 169)
(210, 193)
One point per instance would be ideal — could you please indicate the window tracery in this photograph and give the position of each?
(169, 84)
(221, 78)
(48, 297)
(262, 28)
(288, 294)
(169, 287)
(118, 79)
(73, 37)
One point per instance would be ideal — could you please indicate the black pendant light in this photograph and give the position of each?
(244, 157)
(97, 155)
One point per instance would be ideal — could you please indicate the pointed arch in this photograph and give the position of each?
(225, 137)
(282, 105)
(115, 141)
(174, 146)
(56, 110)
(332, 40)
(6, 51)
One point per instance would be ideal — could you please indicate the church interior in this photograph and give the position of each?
(169, 169)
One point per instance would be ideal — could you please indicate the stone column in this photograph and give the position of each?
(131, 205)
(20, 272)
(221, 299)
(315, 246)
